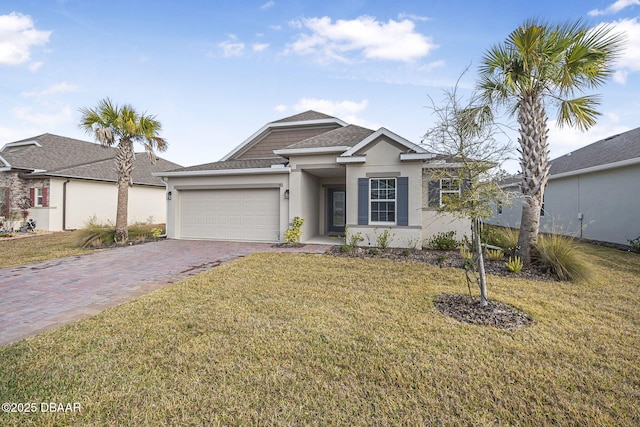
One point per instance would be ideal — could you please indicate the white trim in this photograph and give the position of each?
(354, 159)
(8, 166)
(20, 144)
(273, 125)
(598, 168)
(395, 202)
(286, 169)
(384, 132)
(416, 156)
(309, 151)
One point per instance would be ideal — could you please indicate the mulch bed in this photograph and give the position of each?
(468, 310)
(463, 308)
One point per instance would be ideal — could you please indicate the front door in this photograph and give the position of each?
(337, 210)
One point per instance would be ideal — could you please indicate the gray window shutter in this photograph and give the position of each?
(363, 201)
(403, 200)
(434, 194)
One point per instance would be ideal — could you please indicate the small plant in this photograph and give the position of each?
(635, 245)
(374, 251)
(293, 233)
(414, 242)
(503, 237)
(514, 264)
(156, 232)
(353, 239)
(442, 258)
(384, 239)
(345, 248)
(444, 241)
(465, 253)
(495, 254)
(406, 252)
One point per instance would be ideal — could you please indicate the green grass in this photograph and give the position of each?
(286, 339)
(38, 248)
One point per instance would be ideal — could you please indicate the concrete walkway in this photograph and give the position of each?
(42, 296)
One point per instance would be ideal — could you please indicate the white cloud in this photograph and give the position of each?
(432, 66)
(44, 120)
(17, 36)
(281, 108)
(412, 17)
(567, 139)
(346, 110)
(391, 41)
(615, 7)
(55, 89)
(232, 47)
(259, 47)
(268, 5)
(629, 61)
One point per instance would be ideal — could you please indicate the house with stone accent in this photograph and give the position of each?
(334, 175)
(592, 193)
(67, 182)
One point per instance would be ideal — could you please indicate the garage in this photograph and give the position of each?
(230, 214)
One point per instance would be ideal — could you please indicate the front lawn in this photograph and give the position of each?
(39, 248)
(289, 339)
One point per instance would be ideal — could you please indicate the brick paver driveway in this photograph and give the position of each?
(41, 296)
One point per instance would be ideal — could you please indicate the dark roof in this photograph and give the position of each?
(348, 136)
(55, 152)
(73, 158)
(624, 146)
(234, 164)
(303, 117)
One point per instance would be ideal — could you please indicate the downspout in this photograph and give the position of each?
(64, 205)
(166, 215)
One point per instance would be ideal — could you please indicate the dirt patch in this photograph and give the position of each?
(468, 310)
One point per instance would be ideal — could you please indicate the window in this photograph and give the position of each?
(382, 197)
(448, 186)
(38, 200)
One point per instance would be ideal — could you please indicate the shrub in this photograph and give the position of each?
(495, 254)
(374, 251)
(293, 233)
(353, 239)
(559, 255)
(384, 239)
(406, 252)
(444, 241)
(514, 265)
(96, 234)
(345, 248)
(635, 245)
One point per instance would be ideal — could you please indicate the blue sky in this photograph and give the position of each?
(215, 72)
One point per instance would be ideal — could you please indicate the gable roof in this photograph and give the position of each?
(307, 119)
(609, 151)
(347, 136)
(53, 155)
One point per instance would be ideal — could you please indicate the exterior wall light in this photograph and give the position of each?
(286, 193)
(168, 195)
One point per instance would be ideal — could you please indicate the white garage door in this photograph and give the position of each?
(247, 214)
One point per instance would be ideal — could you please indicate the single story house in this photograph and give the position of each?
(70, 181)
(332, 174)
(592, 193)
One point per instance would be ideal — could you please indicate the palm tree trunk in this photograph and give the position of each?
(124, 166)
(534, 164)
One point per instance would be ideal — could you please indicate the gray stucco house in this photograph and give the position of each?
(69, 181)
(593, 192)
(320, 168)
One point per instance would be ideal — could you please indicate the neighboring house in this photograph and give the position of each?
(330, 173)
(593, 192)
(70, 181)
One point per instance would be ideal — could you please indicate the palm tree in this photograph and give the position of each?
(537, 66)
(112, 125)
